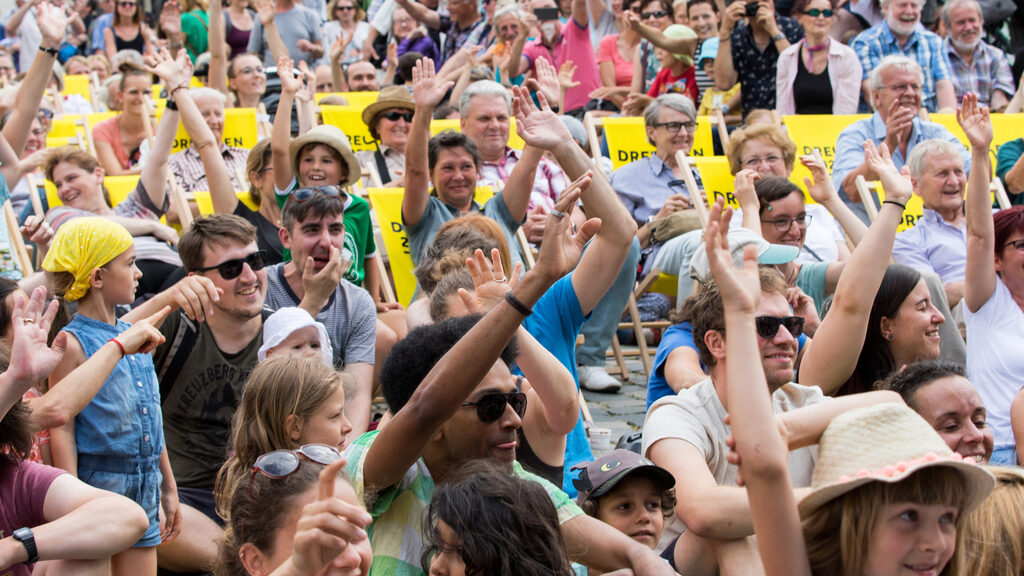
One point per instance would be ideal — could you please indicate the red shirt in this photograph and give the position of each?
(666, 83)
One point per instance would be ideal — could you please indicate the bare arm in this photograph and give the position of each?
(980, 272)
(725, 74)
(831, 359)
(218, 45)
(176, 74)
(747, 198)
(596, 544)
(281, 137)
(265, 11)
(14, 22)
(682, 368)
(804, 426)
(658, 38)
(359, 396)
(517, 64)
(1017, 423)
(557, 408)
(945, 95)
(823, 192)
(422, 14)
(428, 91)
(637, 85)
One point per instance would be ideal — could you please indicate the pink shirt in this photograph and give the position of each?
(107, 131)
(574, 44)
(608, 51)
(844, 72)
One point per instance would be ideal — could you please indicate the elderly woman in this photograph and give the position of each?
(187, 167)
(389, 119)
(652, 187)
(817, 75)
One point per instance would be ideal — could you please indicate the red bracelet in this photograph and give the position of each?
(119, 345)
(176, 88)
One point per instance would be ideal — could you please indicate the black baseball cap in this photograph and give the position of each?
(600, 476)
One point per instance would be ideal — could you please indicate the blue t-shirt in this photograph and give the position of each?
(556, 322)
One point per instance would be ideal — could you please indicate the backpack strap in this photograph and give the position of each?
(181, 347)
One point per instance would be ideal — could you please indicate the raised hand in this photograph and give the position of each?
(803, 306)
(170, 20)
(308, 90)
(745, 193)
(31, 359)
(975, 122)
(820, 188)
(632, 19)
(144, 336)
(561, 248)
(547, 81)
(896, 183)
(327, 526)
(265, 11)
(52, 22)
(898, 125)
(538, 127)
(392, 55)
(427, 89)
(286, 73)
(565, 75)
(740, 288)
(489, 282)
(173, 71)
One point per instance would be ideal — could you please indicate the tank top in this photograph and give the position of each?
(812, 93)
(237, 38)
(138, 43)
(529, 460)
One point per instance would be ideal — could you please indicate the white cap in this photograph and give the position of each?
(739, 239)
(282, 323)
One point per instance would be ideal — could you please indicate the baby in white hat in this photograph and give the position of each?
(293, 332)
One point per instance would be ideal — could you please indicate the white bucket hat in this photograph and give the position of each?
(282, 323)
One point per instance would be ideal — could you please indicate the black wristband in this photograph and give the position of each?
(515, 303)
(171, 105)
(895, 203)
(51, 51)
(28, 540)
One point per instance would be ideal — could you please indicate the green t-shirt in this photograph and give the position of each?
(195, 25)
(396, 533)
(359, 244)
(811, 279)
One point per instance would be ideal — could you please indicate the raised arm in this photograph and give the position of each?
(428, 92)
(438, 397)
(422, 14)
(52, 24)
(517, 64)
(821, 189)
(831, 359)
(981, 268)
(281, 136)
(658, 38)
(746, 195)
(265, 10)
(176, 74)
(217, 40)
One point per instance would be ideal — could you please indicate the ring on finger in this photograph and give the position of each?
(501, 280)
(557, 213)
(28, 320)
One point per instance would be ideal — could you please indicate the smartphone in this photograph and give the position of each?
(752, 9)
(546, 14)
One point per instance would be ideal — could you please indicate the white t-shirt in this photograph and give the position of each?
(995, 362)
(30, 38)
(695, 416)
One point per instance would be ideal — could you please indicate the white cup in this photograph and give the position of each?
(600, 439)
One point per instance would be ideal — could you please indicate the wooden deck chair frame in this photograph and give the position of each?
(590, 123)
(723, 129)
(17, 242)
(372, 174)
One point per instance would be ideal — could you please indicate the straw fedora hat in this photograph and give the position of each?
(334, 138)
(885, 443)
(389, 97)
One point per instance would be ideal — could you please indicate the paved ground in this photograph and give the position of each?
(624, 411)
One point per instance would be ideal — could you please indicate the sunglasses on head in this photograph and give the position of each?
(768, 326)
(283, 463)
(231, 269)
(395, 115)
(814, 13)
(490, 407)
(307, 192)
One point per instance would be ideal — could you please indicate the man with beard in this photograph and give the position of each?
(896, 85)
(901, 33)
(976, 66)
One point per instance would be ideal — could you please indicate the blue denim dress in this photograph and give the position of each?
(120, 434)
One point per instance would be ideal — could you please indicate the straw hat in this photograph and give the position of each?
(333, 137)
(389, 97)
(885, 443)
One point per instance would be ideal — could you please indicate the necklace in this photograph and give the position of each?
(811, 50)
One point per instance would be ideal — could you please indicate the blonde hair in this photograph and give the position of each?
(994, 533)
(258, 161)
(278, 388)
(838, 534)
(770, 133)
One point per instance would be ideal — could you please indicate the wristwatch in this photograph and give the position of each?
(725, 109)
(777, 37)
(28, 540)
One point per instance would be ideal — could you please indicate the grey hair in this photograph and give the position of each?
(207, 92)
(676, 102)
(483, 88)
(128, 55)
(506, 10)
(949, 6)
(917, 162)
(107, 97)
(901, 63)
(884, 3)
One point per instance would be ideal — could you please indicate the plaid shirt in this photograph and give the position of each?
(988, 71)
(456, 37)
(548, 184)
(190, 173)
(924, 47)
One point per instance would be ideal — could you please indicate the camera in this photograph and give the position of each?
(752, 9)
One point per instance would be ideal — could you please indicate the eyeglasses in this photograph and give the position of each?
(900, 88)
(751, 162)
(395, 116)
(655, 14)
(305, 193)
(675, 127)
(814, 13)
(784, 224)
(768, 326)
(253, 70)
(1017, 245)
(490, 407)
(126, 4)
(283, 463)
(44, 112)
(231, 269)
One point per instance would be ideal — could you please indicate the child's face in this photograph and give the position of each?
(302, 343)
(665, 58)
(633, 507)
(447, 561)
(319, 166)
(912, 538)
(120, 278)
(328, 424)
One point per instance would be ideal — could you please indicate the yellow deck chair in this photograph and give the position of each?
(240, 130)
(350, 120)
(1005, 127)
(77, 84)
(359, 100)
(205, 202)
(810, 131)
(118, 186)
(717, 179)
(387, 205)
(514, 141)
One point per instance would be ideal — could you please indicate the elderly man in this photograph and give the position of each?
(389, 119)
(938, 241)
(896, 88)
(976, 66)
(186, 165)
(361, 77)
(901, 33)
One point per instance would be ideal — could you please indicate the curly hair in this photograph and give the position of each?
(507, 524)
(915, 376)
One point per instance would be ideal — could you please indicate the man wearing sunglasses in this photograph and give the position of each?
(686, 435)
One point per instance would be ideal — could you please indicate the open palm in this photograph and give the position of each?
(538, 127)
(427, 88)
(975, 122)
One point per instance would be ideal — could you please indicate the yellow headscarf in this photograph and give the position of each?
(82, 245)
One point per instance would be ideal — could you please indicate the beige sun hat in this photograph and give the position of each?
(333, 137)
(389, 97)
(885, 443)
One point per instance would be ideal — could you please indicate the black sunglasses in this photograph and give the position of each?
(490, 407)
(231, 269)
(303, 194)
(768, 326)
(395, 115)
(657, 14)
(814, 13)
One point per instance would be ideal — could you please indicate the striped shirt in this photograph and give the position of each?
(190, 173)
(923, 47)
(988, 71)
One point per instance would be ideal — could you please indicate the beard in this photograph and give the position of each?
(965, 46)
(899, 27)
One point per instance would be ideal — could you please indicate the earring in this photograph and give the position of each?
(889, 337)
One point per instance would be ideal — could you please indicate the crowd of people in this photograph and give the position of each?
(233, 391)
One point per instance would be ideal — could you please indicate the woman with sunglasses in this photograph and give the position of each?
(656, 14)
(129, 31)
(817, 75)
(994, 292)
(346, 22)
(296, 514)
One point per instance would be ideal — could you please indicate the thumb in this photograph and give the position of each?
(325, 485)
(588, 230)
(60, 343)
(468, 300)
